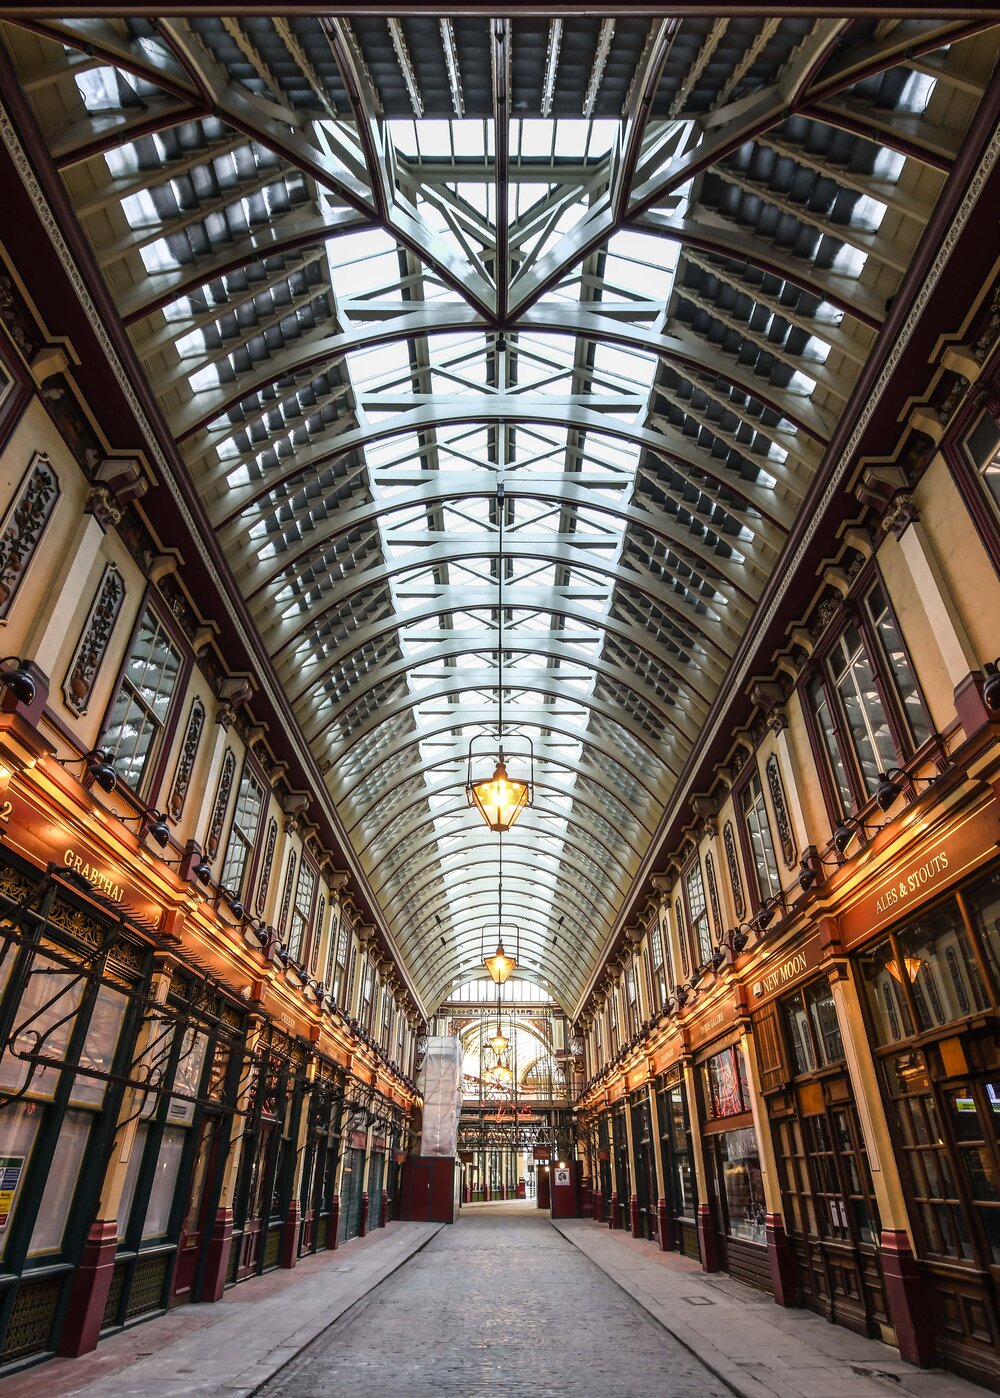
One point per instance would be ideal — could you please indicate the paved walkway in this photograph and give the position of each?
(504, 1304)
(232, 1346)
(497, 1306)
(761, 1350)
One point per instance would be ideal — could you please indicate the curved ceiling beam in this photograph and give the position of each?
(446, 488)
(481, 644)
(454, 689)
(450, 599)
(356, 816)
(698, 631)
(540, 717)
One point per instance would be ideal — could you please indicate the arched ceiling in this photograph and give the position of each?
(628, 269)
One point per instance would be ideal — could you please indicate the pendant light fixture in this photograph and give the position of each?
(500, 965)
(499, 799)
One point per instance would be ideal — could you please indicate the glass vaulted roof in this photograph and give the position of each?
(628, 269)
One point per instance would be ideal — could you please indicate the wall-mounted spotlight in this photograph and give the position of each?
(18, 682)
(768, 909)
(100, 769)
(202, 871)
(991, 685)
(257, 935)
(233, 902)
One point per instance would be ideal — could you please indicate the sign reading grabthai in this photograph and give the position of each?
(788, 969)
(96, 876)
(925, 875)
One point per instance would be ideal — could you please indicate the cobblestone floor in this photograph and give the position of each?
(498, 1304)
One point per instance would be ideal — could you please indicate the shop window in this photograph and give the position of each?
(738, 1162)
(243, 833)
(45, 1020)
(727, 1092)
(60, 1186)
(302, 906)
(924, 976)
(810, 1018)
(161, 1195)
(982, 455)
(697, 909)
(865, 704)
(133, 734)
(982, 903)
(758, 835)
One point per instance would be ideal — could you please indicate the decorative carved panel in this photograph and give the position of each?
(185, 763)
(221, 803)
(785, 838)
(23, 527)
(92, 647)
(286, 896)
(713, 895)
(729, 839)
(265, 872)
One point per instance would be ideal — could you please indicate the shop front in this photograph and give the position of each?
(931, 987)
(829, 1211)
(117, 1083)
(621, 1173)
(644, 1197)
(263, 1200)
(352, 1186)
(679, 1183)
(317, 1194)
(732, 1222)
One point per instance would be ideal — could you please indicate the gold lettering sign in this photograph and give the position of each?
(788, 970)
(926, 873)
(99, 878)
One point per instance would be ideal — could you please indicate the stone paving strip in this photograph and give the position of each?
(758, 1349)
(235, 1345)
(498, 1306)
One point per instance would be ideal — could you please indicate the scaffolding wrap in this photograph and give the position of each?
(440, 1085)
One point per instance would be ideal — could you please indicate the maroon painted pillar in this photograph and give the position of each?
(781, 1259)
(906, 1297)
(634, 1219)
(664, 1227)
(333, 1223)
(385, 1211)
(598, 1206)
(487, 1196)
(613, 1220)
(89, 1294)
(363, 1220)
(220, 1243)
(288, 1250)
(708, 1239)
(468, 1191)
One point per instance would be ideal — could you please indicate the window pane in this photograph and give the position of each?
(744, 1187)
(99, 1047)
(823, 1016)
(161, 1195)
(42, 1025)
(982, 902)
(942, 972)
(19, 1125)
(899, 666)
(866, 719)
(143, 701)
(798, 1034)
(243, 835)
(824, 722)
(984, 448)
(60, 1187)
(765, 863)
(883, 985)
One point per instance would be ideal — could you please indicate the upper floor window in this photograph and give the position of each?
(758, 832)
(660, 973)
(336, 966)
(701, 935)
(301, 909)
(632, 996)
(243, 835)
(866, 704)
(136, 724)
(983, 447)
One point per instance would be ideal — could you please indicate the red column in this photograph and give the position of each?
(664, 1227)
(333, 1223)
(781, 1258)
(384, 1219)
(634, 1219)
(907, 1300)
(363, 1221)
(708, 1239)
(89, 1294)
(598, 1206)
(220, 1244)
(613, 1219)
(288, 1250)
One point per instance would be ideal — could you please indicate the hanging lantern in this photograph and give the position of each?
(501, 798)
(499, 965)
(499, 1041)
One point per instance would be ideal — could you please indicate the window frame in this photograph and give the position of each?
(967, 474)
(155, 765)
(299, 951)
(699, 954)
(749, 775)
(819, 673)
(248, 877)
